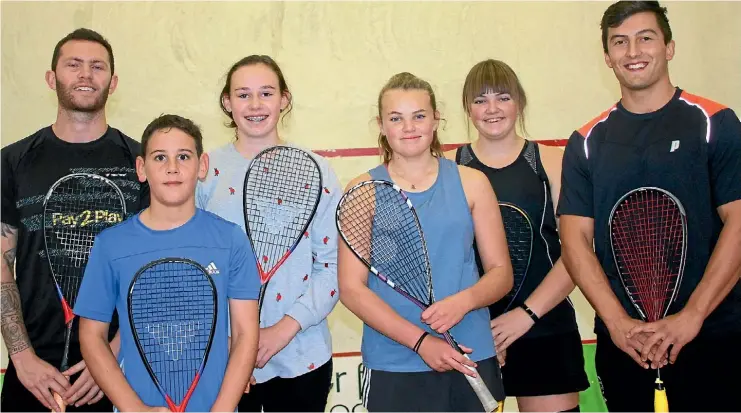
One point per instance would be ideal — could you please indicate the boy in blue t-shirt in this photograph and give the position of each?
(172, 161)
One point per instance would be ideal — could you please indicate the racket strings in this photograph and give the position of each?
(78, 209)
(648, 237)
(173, 312)
(519, 235)
(280, 196)
(380, 227)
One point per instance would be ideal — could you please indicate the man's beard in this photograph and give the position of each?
(67, 100)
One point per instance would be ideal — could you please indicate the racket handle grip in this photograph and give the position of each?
(479, 387)
(661, 404)
(60, 402)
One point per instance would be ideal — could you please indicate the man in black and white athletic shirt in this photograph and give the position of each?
(661, 136)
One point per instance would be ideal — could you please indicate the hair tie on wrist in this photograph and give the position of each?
(419, 342)
(530, 312)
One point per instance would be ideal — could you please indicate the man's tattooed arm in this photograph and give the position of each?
(13, 329)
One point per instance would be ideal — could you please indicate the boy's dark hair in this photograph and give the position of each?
(86, 35)
(616, 14)
(172, 121)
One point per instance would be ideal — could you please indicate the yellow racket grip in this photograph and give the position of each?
(661, 404)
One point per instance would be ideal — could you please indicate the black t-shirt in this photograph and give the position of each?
(29, 168)
(525, 184)
(692, 148)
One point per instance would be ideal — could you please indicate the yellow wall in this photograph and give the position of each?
(172, 56)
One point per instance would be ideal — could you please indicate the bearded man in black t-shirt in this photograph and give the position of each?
(80, 140)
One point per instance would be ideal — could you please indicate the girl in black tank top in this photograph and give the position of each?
(539, 326)
(525, 184)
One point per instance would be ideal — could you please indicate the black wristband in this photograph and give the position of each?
(419, 342)
(530, 312)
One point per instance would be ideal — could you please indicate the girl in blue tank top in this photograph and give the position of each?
(454, 204)
(537, 330)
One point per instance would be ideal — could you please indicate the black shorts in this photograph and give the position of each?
(428, 391)
(705, 377)
(305, 393)
(546, 365)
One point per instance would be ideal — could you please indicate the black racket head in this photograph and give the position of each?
(282, 190)
(378, 223)
(648, 236)
(77, 208)
(172, 312)
(518, 229)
